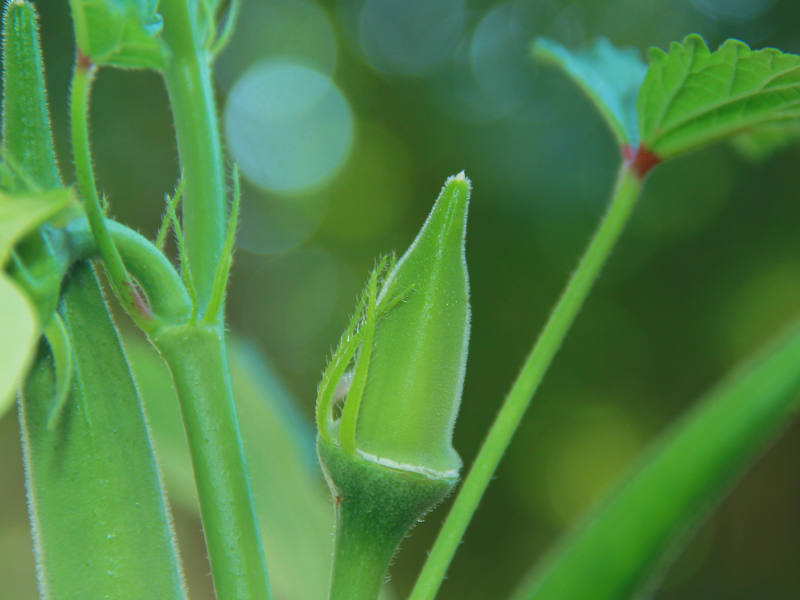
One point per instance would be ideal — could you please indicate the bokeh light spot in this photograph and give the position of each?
(735, 11)
(411, 38)
(291, 303)
(275, 223)
(500, 59)
(370, 197)
(601, 443)
(288, 126)
(296, 30)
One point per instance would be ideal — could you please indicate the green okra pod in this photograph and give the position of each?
(27, 138)
(388, 401)
(98, 513)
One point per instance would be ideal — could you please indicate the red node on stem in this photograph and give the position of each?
(640, 159)
(83, 61)
(136, 300)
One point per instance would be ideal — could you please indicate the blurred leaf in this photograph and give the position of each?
(692, 97)
(764, 142)
(295, 514)
(19, 327)
(27, 138)
(21, 213)
(609, 76)
(120, 33)
(619, 548)
(98, 513)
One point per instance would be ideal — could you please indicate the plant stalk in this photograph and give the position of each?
(197, 359)
(361, 558)
(626, 191)
(196, 352)
(188, 80)
(124, 286)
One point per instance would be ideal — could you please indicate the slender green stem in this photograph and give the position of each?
(505, 424)
(188, 79)
(124, 286)
(199, 365)
(166, 295)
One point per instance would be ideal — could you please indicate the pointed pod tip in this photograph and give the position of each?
(459, 178)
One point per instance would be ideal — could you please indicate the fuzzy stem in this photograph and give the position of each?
(361, 558)
(124, 286)
(196, 352)
(188, 80)
(375, 508)
(624, 197)
(197, 359)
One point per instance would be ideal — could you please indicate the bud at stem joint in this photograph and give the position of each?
(388, 400)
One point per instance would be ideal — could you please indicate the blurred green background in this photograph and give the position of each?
(346, 116)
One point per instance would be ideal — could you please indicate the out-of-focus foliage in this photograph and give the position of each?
(623, 546)
(23, 212)
(19, 214)
(707, 270)
(610, 76)
(19, 325)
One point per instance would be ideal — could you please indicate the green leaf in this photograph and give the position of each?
(20, 329)
(21, 213)
(692, 97)
(120, 33)
(291, 499)
(27, 137)
(608, 75)
(99, 516)
(626, 540)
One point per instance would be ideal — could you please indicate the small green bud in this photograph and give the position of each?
(388, 400)
(408, 346)
(416, 374)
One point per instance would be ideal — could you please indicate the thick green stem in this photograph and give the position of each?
(195, 353)
(626, 191)
(376, 506)
(361, 559)
(198, 362)
(188, 80)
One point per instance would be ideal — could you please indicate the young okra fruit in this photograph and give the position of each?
(388, 400)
